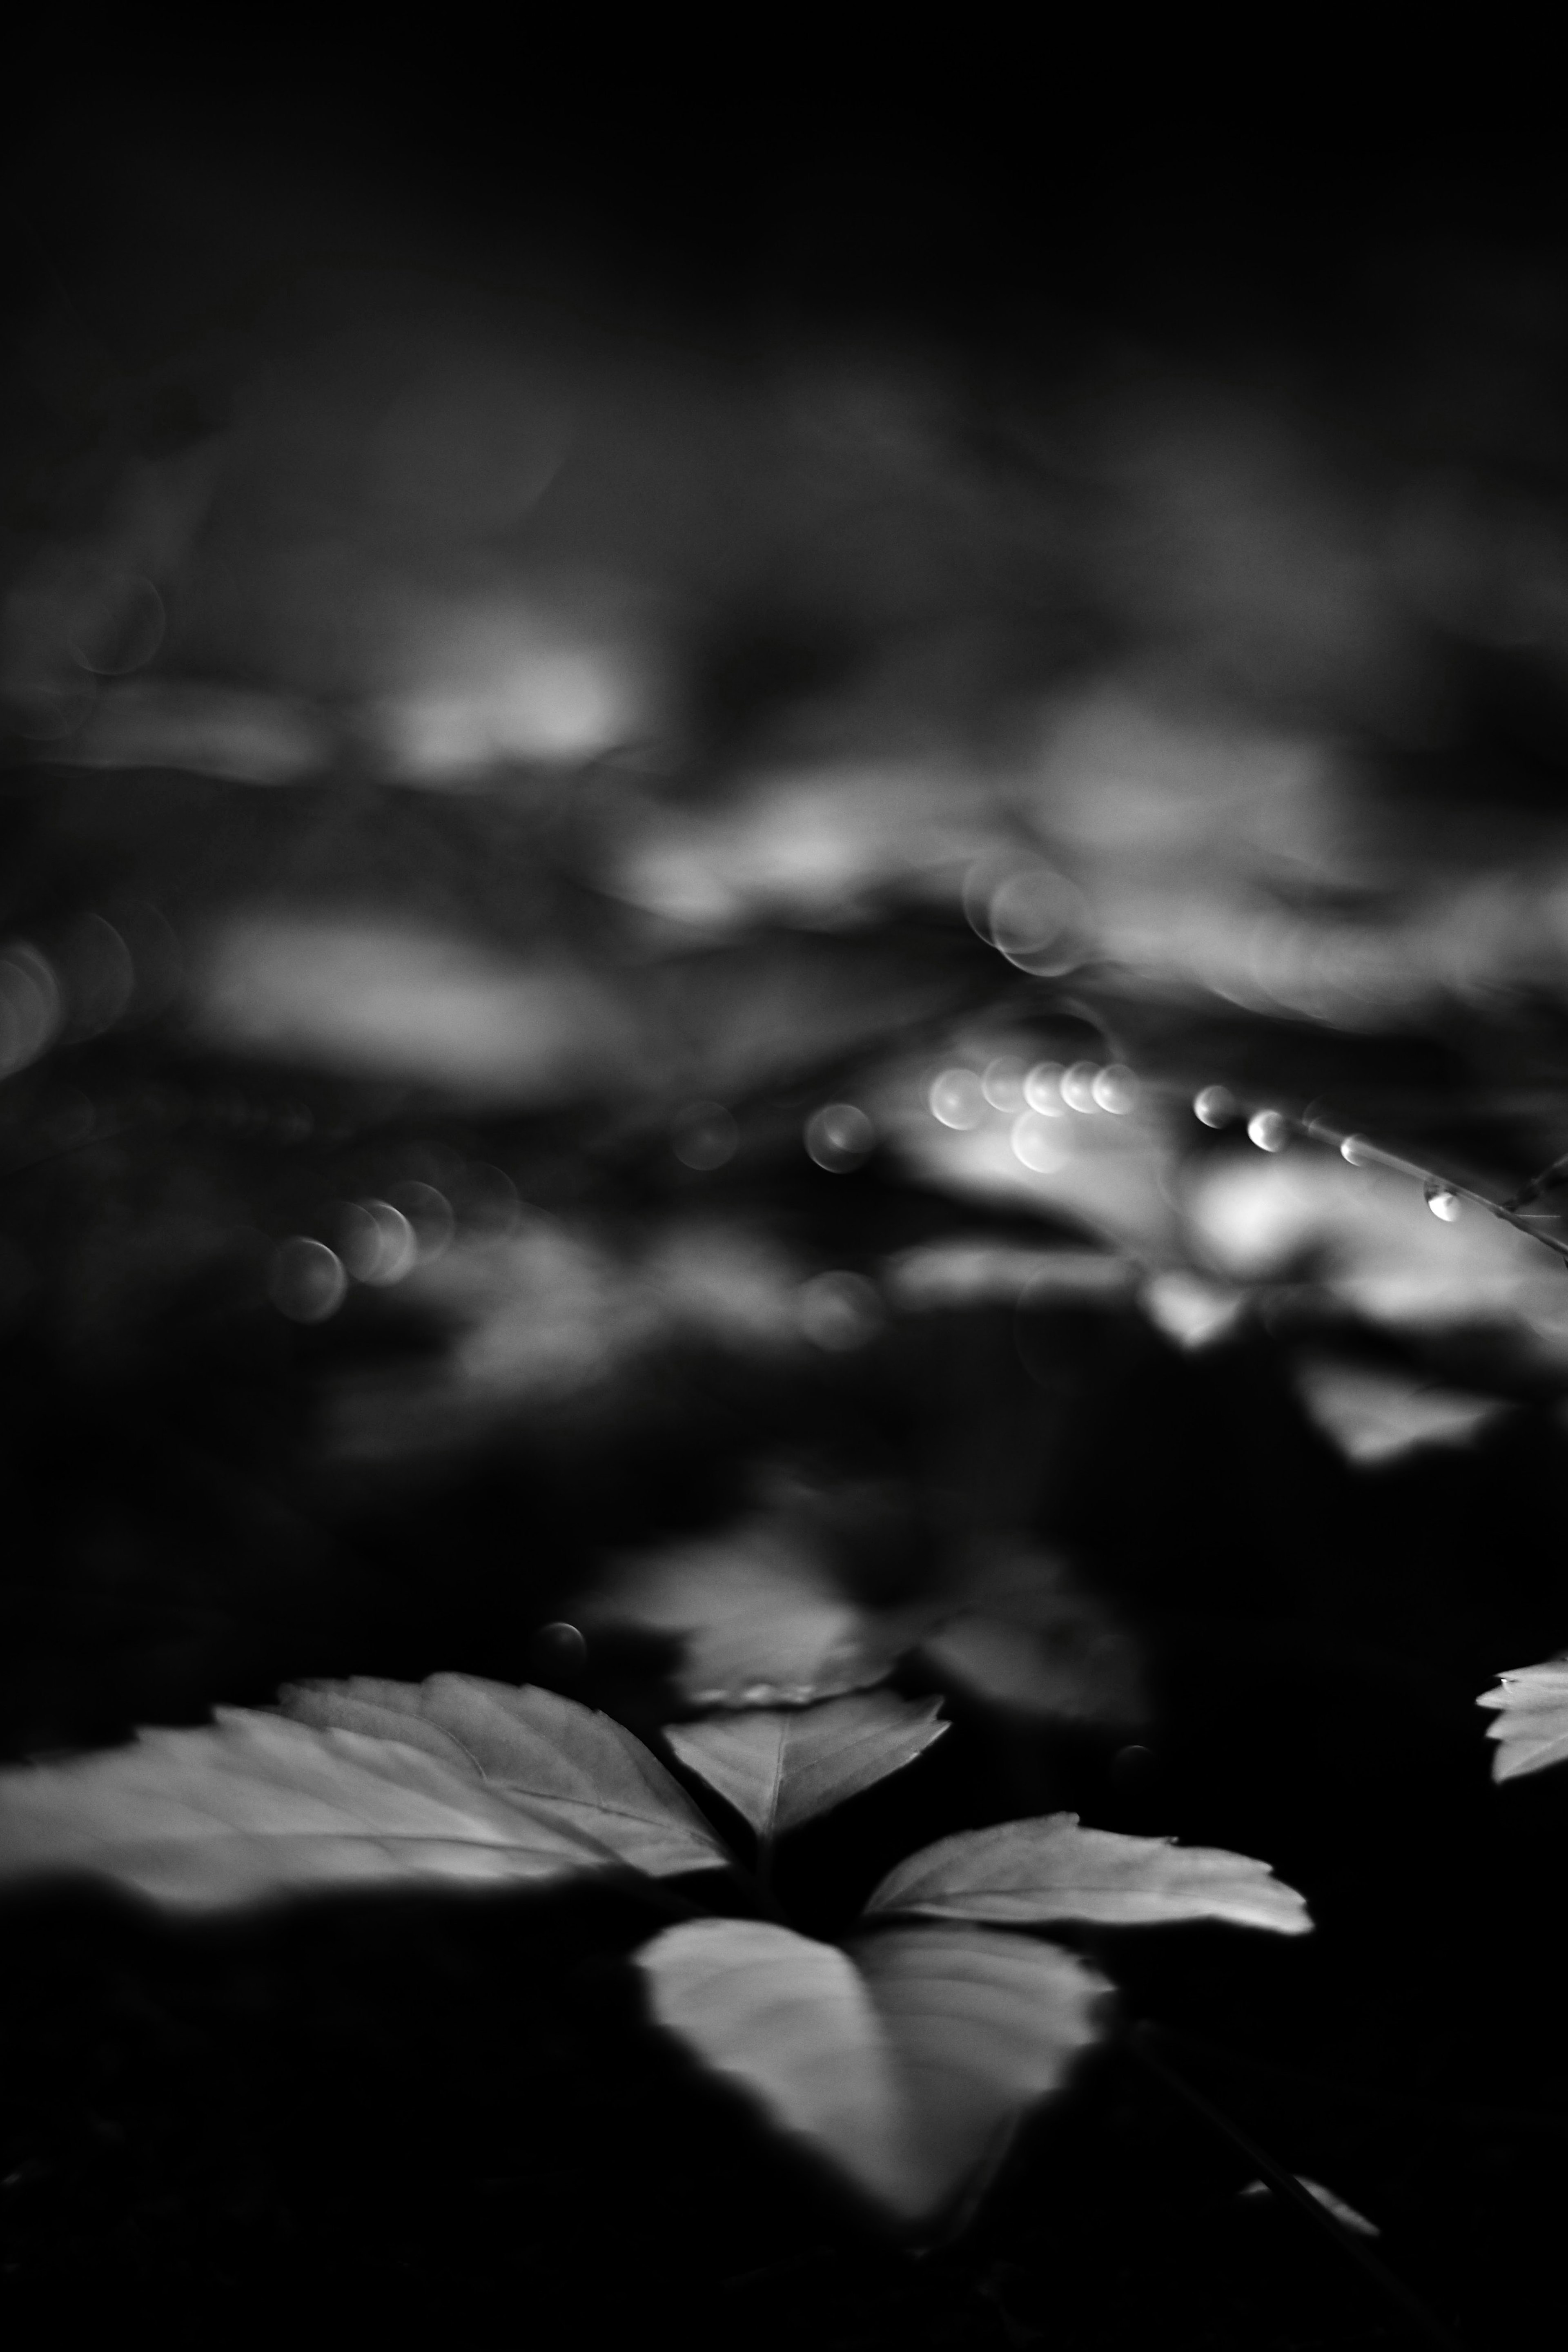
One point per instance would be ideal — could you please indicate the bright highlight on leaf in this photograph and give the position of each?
(570, 1765)
(900, 2062)
(1532, 1728)
(779, 1769)
(256, 1807)
(454, 1781)
(1027, 1874)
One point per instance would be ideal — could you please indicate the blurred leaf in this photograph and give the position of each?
(1373, 1415)
(572, 1768)
(1532, 1728)
(900, 2062)
(1109, 1173)
(1027, 1873)
(257, 1806)
(805, 843)
(1366, 1236)
(765, 1621)
(1028, 1639)
(986, 1272)
(781, 1769)
(218, 731)
(390, 998)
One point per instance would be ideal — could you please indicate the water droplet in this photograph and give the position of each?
(429, 1213)
(306, 1280)
(31, 1006)
(1042, 1090)
(376, 1242)
(1441, 1202)
(956, 1097)
(840, 1311)
(839, 1137)
(1002, 1084)
(1116, 1089)
(1037, 1145)
(1357, 1150)
(1028, 911)
(1269, 1130)
(118, 626)
(487, 1202)
(557, 1652)
(1077, 1086)
(1134, 1769)
(1214, 1106)
(704, 1137)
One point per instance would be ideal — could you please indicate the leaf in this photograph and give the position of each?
(1026, 1639)
(1111, 1176)
(257, 1806)
(766, 1623)
(1365, 1235)
(780, 1770)
(1029, 1873)
(899, 2062)
(1532, 1728)
(574, 1768)
(1373, 1415)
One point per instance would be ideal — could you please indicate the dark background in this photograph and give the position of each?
(409, 2108)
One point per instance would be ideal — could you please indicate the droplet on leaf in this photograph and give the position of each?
(1036, 1145)
(1002, 1084)
(839, 1137)
(956, 1098)
(557, 1652)
(1116, 1089)
(1267, 1130)
(1214, 1106)
(704, 1137)
(1441, 1202)
(376, 1242)
(307, 1281)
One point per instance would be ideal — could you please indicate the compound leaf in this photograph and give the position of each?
(565, 1764)
(779, 1769)
(1531, 1726)
(1027, 1874)
(900, 2062)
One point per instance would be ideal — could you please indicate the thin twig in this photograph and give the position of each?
(1552, 2126)
(1361, 1151)
(1555, 1173)
(1286, 2185)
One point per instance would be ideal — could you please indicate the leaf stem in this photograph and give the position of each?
(1286, 2185)
(758, 1882)
(1364, 1152)
(1552, 2126)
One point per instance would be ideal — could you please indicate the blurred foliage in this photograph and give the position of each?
(620, 865)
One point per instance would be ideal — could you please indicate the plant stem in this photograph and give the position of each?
(1286, 2185)
(1523, 2119)
(1364, 1152)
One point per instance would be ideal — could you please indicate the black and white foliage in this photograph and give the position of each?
(901, 2057)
